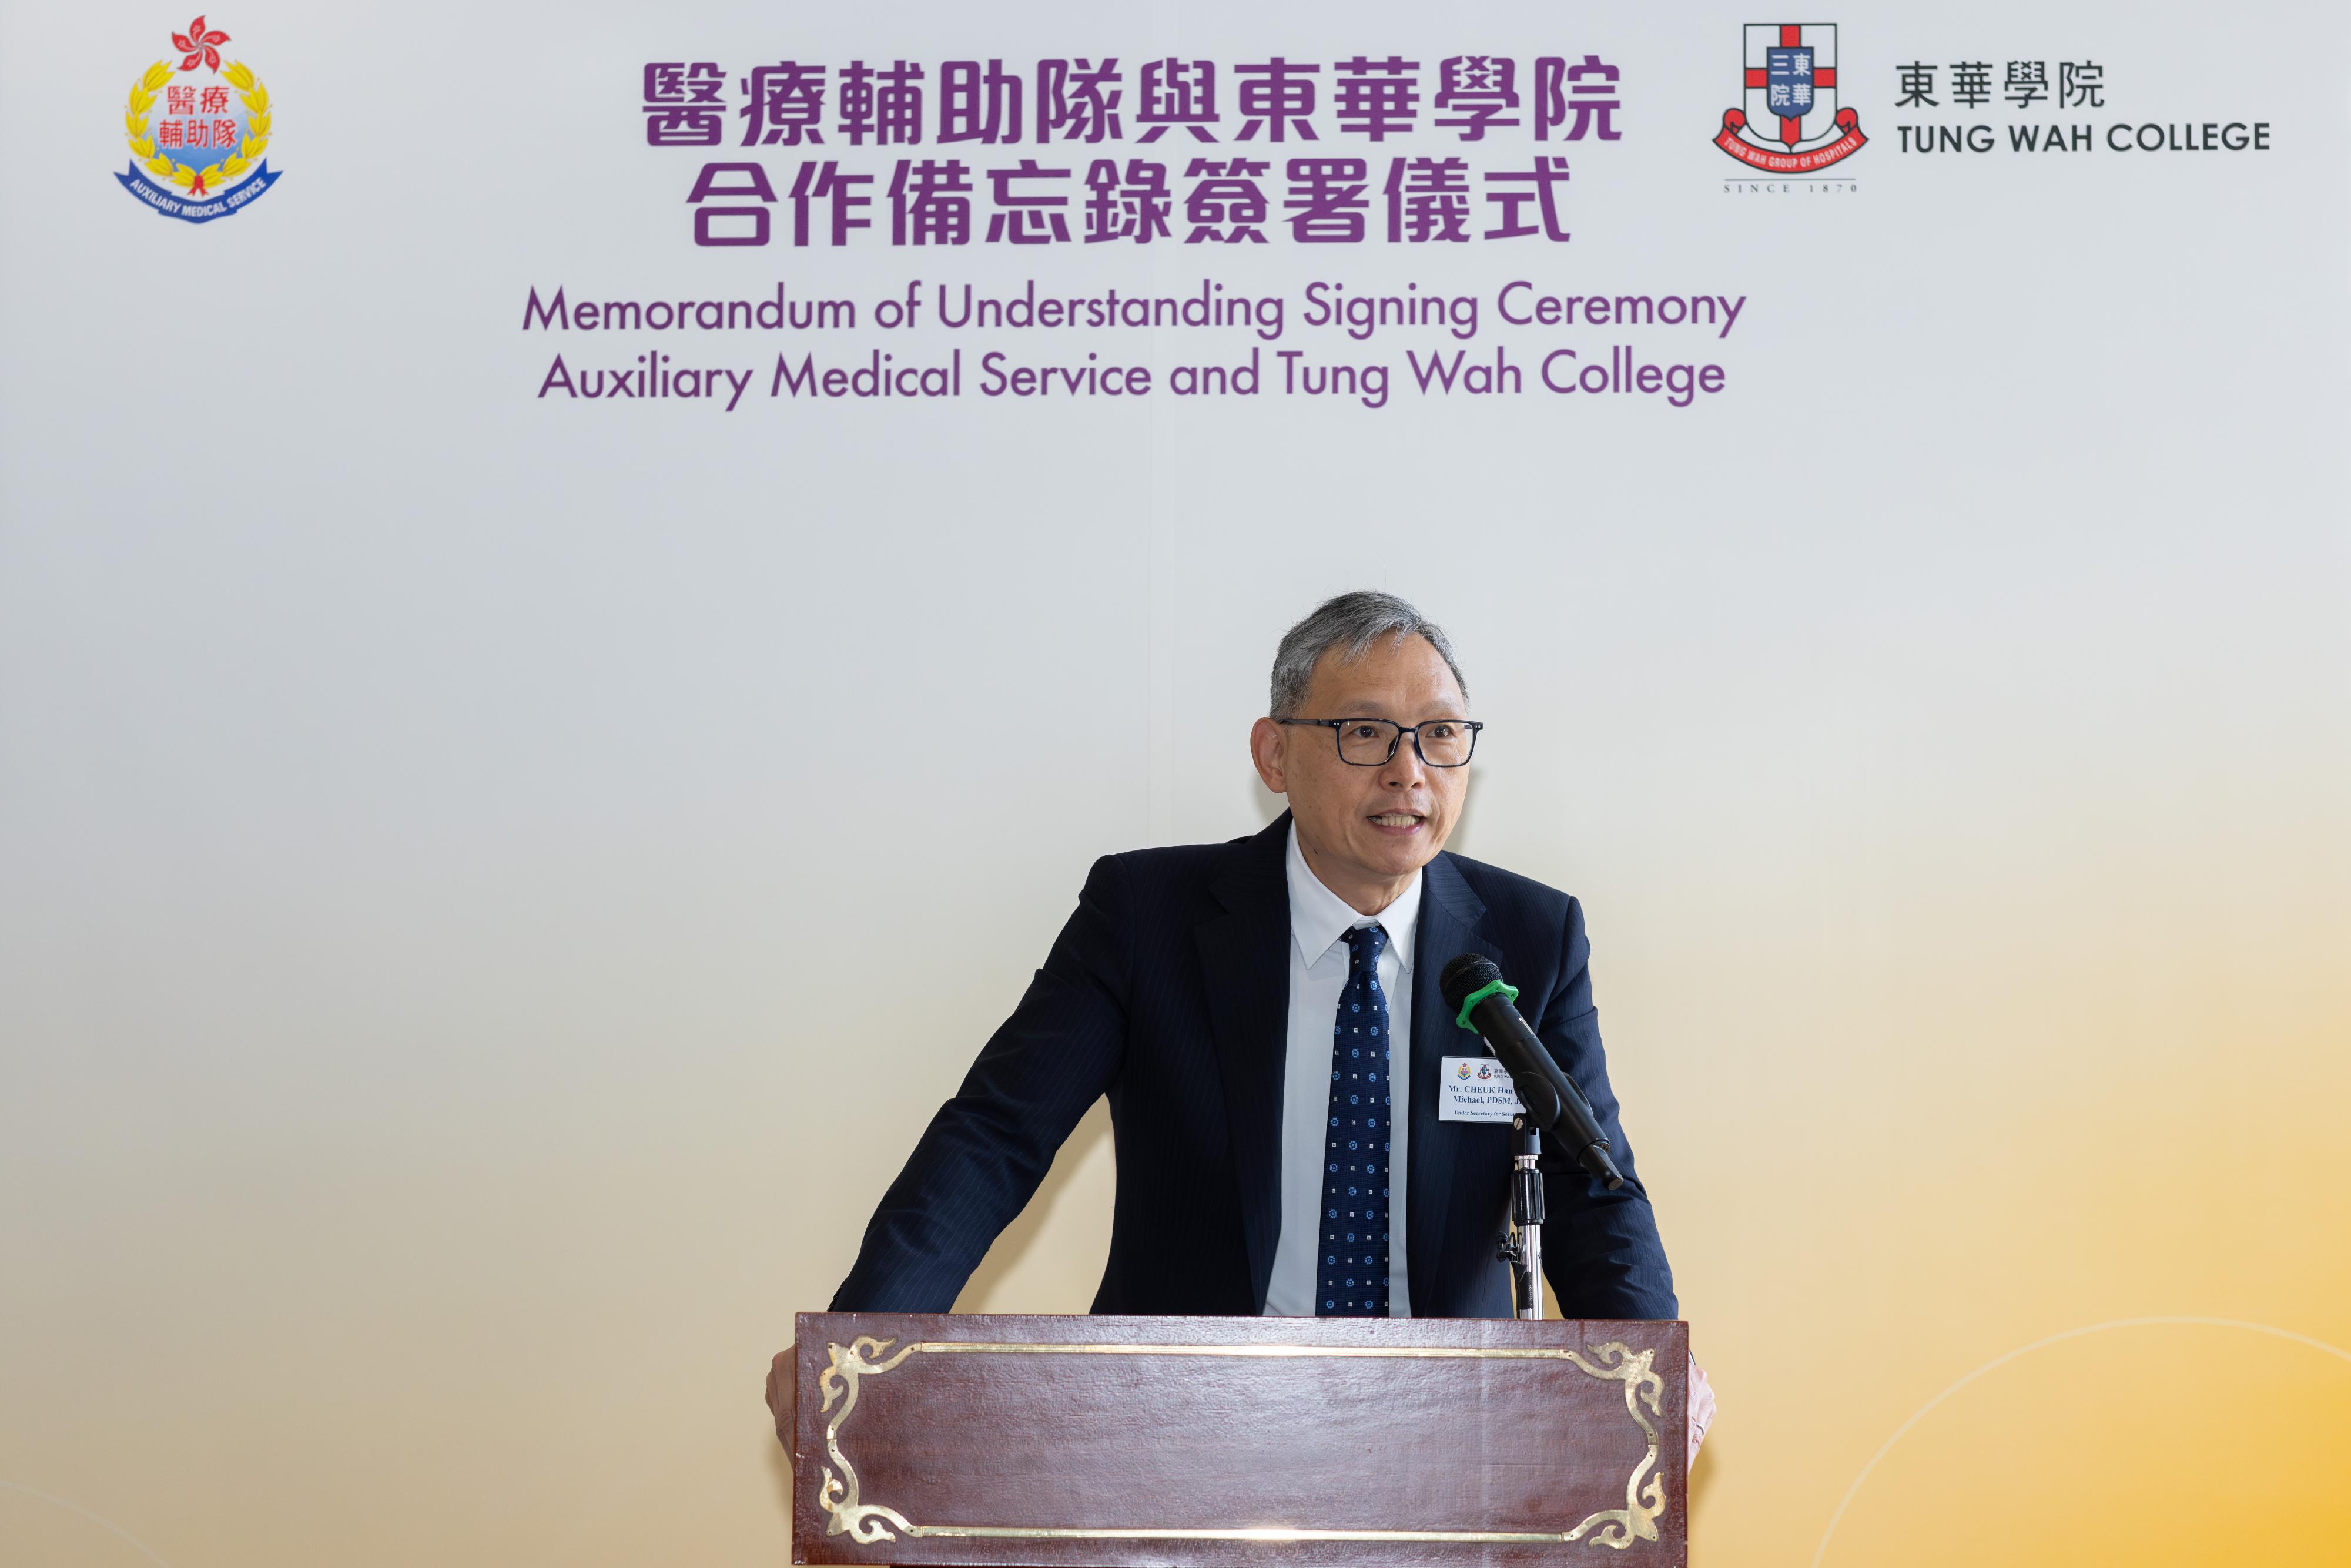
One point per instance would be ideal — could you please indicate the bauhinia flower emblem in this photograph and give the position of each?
(198, 47)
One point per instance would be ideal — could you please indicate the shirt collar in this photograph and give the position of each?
(1319, 918)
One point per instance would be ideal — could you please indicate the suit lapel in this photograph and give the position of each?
(1245, 962)
(1449, 916)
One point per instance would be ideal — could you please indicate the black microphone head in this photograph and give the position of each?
(1466, 973)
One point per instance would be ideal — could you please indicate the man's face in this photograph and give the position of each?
(1369, 826)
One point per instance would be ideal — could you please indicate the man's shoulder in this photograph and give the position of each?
(1508, 897)
(1252, 865)
(1175, 865)
(1195, 877)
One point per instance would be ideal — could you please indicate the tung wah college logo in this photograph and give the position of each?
(1789, 122)
(197, 130)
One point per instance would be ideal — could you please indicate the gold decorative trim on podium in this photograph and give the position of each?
(868, 1522)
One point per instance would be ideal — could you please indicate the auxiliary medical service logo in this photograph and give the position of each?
(1791, 124)
(197, 131)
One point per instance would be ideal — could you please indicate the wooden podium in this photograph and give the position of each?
(1105, 1442)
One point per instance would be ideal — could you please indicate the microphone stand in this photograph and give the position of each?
(1521, 1246)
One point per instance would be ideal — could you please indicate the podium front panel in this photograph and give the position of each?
(1104, 1442)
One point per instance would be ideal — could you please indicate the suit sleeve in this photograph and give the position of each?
(1600, 1248)
(984, 1153)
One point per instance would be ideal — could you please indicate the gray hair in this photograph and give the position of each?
(1348, 624)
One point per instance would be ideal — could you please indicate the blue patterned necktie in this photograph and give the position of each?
(1355, 1273)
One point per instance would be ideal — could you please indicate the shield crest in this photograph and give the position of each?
(1792, 85)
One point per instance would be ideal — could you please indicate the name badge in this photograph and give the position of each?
(1476, 1089)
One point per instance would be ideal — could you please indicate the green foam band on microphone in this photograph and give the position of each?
(1479, 995)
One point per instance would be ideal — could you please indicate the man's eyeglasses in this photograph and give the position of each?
(1373, 742)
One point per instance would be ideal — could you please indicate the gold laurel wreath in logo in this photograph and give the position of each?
(249, 92)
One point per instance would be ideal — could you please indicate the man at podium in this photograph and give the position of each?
(1265, 1018)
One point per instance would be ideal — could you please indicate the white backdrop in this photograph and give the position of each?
(491, 886)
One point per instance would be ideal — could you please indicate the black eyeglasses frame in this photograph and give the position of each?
(1335, 725)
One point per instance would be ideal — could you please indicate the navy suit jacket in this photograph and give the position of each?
(1168, 991)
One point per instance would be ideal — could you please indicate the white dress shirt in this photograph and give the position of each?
(1319, 961)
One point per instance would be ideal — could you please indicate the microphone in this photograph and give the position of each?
(1472, 987)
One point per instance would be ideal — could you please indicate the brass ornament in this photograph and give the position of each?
(868, 1523)
(1637, 1520)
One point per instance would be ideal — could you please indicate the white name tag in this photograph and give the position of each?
(1475, 1089)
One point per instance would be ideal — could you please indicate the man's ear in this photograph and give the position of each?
(1267, 743)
